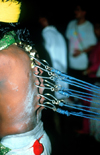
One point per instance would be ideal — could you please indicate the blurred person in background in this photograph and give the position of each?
(81, 40)
(56, 47)
(93, 73)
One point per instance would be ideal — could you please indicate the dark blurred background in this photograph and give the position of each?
(60, 13)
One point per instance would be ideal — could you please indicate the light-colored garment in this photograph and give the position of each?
(80, 37)
(95, 124)
(55, 45)
(21, 144)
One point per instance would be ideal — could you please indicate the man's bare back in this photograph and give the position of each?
(17, 92)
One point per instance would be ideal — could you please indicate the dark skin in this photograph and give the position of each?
(16, 91)
(80, 15)
(78, 52)
(43, 22)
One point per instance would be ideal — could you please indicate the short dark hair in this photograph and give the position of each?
(82, 5)
(22, 33)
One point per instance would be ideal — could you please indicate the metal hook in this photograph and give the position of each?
(41, 68)
(47, 68)
(46, 105)
(55, 87)
(43, 77)
(51, 85)
(54, 100)
(45, 97)
(45, 62)
(51, 88)
(40, 62)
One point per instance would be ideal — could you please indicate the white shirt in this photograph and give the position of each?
(80, 37)
(21, 144)
(55, 45)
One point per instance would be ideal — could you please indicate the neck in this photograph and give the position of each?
(81, 21)
(45, 25)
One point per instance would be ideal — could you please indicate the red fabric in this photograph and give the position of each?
(86, 122)
(94, 60)
(38, 147)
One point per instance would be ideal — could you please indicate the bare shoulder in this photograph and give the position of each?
(11, 58)
(15, 85)
(13, 52)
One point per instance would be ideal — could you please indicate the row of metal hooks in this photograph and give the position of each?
(61, 106)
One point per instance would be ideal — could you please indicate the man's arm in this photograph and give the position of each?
(78, 52)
